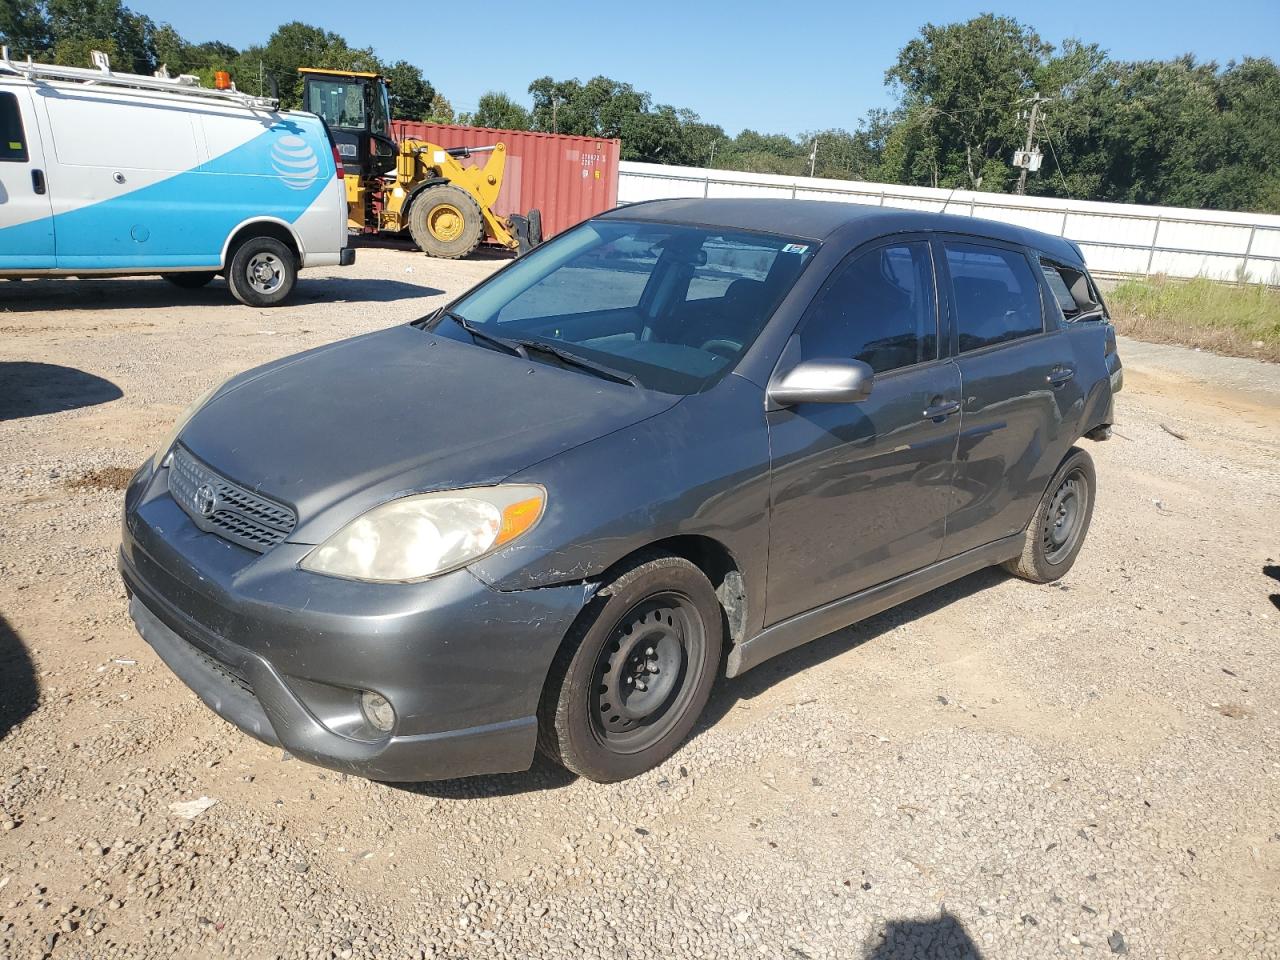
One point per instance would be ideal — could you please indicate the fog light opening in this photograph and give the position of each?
(378, 712)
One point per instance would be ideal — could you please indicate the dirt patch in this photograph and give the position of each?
(107, 478)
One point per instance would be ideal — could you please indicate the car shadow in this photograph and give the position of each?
(726, 694)
(543, 775)
(31, 389)
(937, 938)
(84, 293)
(19, 692)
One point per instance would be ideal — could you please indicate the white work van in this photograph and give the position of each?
(109, 173)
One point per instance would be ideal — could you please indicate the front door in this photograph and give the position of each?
(26, 216)
(860, 491)
(1022, 400)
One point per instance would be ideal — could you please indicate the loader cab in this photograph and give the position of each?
(358, 112)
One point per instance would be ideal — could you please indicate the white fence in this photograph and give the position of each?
(1117, 238)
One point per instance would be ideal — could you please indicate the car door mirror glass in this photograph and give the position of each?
(834, 380)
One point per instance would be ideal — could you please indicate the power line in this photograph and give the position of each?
(1057, 165)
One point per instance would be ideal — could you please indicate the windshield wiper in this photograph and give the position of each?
(510, 346)
(573, 360)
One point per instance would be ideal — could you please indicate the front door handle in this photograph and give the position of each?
(37, 181)
(1060, 375)
(940, 409)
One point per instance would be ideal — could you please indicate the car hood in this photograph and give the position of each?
(336, 431)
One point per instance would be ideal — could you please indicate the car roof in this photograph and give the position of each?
(820, 219)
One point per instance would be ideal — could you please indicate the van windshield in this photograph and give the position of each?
(673, 307)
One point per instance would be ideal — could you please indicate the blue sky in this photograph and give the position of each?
(773, 66)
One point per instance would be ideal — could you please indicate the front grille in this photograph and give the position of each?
(229, 510)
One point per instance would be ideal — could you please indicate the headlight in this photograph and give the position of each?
(428, 534)
(163, 451)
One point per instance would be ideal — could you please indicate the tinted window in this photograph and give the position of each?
(1071, 289)
(878, 309)
(996, 295)
(675, 306)
(13, 142)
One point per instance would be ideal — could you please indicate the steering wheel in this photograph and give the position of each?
(722, 348)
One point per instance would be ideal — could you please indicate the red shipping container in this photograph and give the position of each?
(568, 178)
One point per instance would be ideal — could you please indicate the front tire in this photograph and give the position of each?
(263, 272)
(445, 221)
(635, 671)
(1057, 530)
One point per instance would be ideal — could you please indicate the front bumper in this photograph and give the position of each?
(282, 653)
(347, 257)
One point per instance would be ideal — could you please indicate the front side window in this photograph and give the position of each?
(670, 305)
(13, 142)
(996, 295)
(879, 309)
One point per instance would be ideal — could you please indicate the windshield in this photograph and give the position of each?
(672, 306)
(340, 103)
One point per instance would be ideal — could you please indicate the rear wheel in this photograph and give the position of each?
(263, 272)
(445, 221)
(635, 672)
(1056, 533)
(190, 280)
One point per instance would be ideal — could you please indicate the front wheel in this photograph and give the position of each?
(263, 272)
(445, 221)
(634, 673)
(1056, 533)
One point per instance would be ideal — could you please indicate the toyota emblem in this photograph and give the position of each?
(206, 500)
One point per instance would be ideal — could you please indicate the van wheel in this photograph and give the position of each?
(263, 272)
(445, 221)
(190, 281)
(1057, 531)
(634, 672)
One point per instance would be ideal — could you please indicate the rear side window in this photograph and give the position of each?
(996, 295)
(879, 309)
(13, 142)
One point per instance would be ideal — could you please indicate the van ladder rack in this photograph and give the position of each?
(185, 85)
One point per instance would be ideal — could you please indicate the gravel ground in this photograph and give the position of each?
(994, 770)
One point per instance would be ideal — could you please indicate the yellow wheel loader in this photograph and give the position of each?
(411, 185)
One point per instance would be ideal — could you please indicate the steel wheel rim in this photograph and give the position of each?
(1064, 518)
(445, 222)
(265, 272)
(647, 672)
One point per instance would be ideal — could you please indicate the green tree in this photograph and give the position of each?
(24, 28)
(75, 25)
(410, 93)
(441, 110)
(499, 110)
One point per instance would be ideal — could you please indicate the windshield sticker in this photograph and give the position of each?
(800, 248)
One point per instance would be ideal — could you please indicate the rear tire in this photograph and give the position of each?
(446, 222)
(263, 272)
(1057, 530)
(634, 672)
(190, 281)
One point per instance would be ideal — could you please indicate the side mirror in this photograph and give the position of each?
(822, 381)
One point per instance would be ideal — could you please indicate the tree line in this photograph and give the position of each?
(1180, 132)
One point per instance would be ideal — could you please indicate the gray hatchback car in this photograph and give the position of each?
(677, 440)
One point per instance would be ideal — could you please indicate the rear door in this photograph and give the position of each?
(1022, 399)
(26, 215)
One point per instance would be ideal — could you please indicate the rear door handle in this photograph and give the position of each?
(37, 181)
(941, 409)
(1060, 375)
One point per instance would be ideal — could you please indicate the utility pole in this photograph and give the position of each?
(813, 156)
(1031, 141)
(712, 161)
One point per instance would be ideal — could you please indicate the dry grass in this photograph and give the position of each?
(1242, 320)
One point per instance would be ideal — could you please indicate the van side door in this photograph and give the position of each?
(860, 491)
(1022, 399)
(26, 214)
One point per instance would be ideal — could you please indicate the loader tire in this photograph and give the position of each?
(445, 221)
